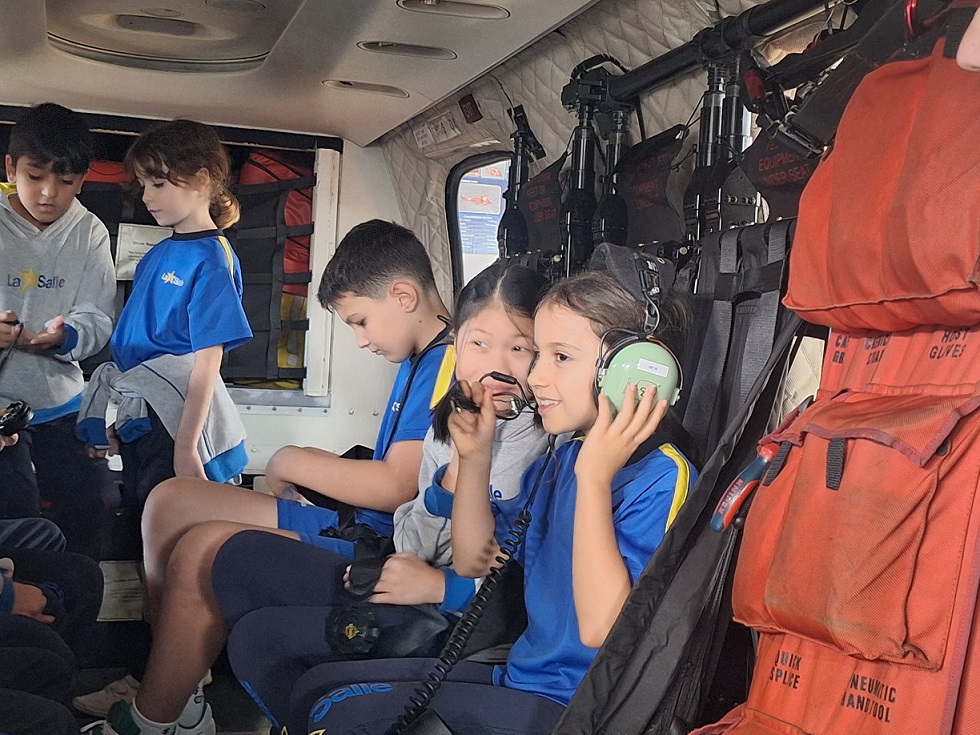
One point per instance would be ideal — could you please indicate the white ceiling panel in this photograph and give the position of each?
(256, 63)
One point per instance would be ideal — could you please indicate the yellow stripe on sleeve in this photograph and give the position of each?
(681, 485)
(227, 248)
(445, 376)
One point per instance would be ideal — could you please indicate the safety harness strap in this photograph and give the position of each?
(763, 251)
(719, 259)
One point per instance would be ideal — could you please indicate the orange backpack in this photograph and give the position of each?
(887, 233)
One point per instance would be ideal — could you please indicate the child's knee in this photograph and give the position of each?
(194, 554)
(169, 504)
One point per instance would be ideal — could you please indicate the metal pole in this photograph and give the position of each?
(610, 215)
(512, 238)
(730, 35)
(580, 203)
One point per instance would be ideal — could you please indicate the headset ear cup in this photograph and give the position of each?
(641, 361)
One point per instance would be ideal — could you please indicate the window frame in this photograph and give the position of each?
(453, 181)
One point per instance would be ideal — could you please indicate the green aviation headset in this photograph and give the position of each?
(637, 357)
(642, 360)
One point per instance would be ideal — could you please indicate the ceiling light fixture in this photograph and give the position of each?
(236, 6)
(162, 12)
(454, 7)
(407, 49)
(384, 89)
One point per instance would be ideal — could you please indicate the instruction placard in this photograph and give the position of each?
(122, 598)
(133, 242)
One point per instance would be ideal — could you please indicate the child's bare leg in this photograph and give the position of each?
(189, 631)
(177, 505)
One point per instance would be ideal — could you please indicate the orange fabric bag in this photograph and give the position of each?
(888, 236)
(861, 568)
(860, 561)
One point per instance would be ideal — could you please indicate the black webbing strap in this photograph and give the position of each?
(742, 326)
(835, 463)
(819, 115)
(719, 259)
(763, 259)
(776, 466)
(283, 185)
(265, 233)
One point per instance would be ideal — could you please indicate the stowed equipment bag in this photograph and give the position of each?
(860, 560)
(887, 235)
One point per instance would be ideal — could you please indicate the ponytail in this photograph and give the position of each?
(224, 209)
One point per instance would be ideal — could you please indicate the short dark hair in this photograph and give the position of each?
(50, 133)
(370, 258)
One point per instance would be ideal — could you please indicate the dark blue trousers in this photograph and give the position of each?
(147, 461)
(72, 584)
(35, 679)
(30, 533)
(277, 595)
(366, 697)
(76, 486)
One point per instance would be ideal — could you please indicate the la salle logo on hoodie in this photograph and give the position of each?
(30, 278)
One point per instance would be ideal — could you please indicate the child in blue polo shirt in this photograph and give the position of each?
(380, 283)
(275, 593)
(184, 312)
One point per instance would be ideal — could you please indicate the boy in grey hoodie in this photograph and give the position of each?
(57, 286)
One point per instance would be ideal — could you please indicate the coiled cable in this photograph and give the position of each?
(421, 698)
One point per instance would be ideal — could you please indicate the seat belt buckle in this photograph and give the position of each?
(742, 487)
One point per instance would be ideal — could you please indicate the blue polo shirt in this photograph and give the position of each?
(187, 296)
(549, 658)
(420, 384)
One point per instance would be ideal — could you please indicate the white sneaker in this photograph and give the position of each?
(98, 703)
(120, 722)
(204, 726)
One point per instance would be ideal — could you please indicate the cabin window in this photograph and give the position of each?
(474, 206)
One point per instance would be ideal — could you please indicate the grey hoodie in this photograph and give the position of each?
(162, 383)
(424, 528)
(64, 270)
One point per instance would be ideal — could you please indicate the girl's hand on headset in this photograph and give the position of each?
(611, 441)
(472, 433)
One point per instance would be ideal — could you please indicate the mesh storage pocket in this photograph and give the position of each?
(858, 541)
